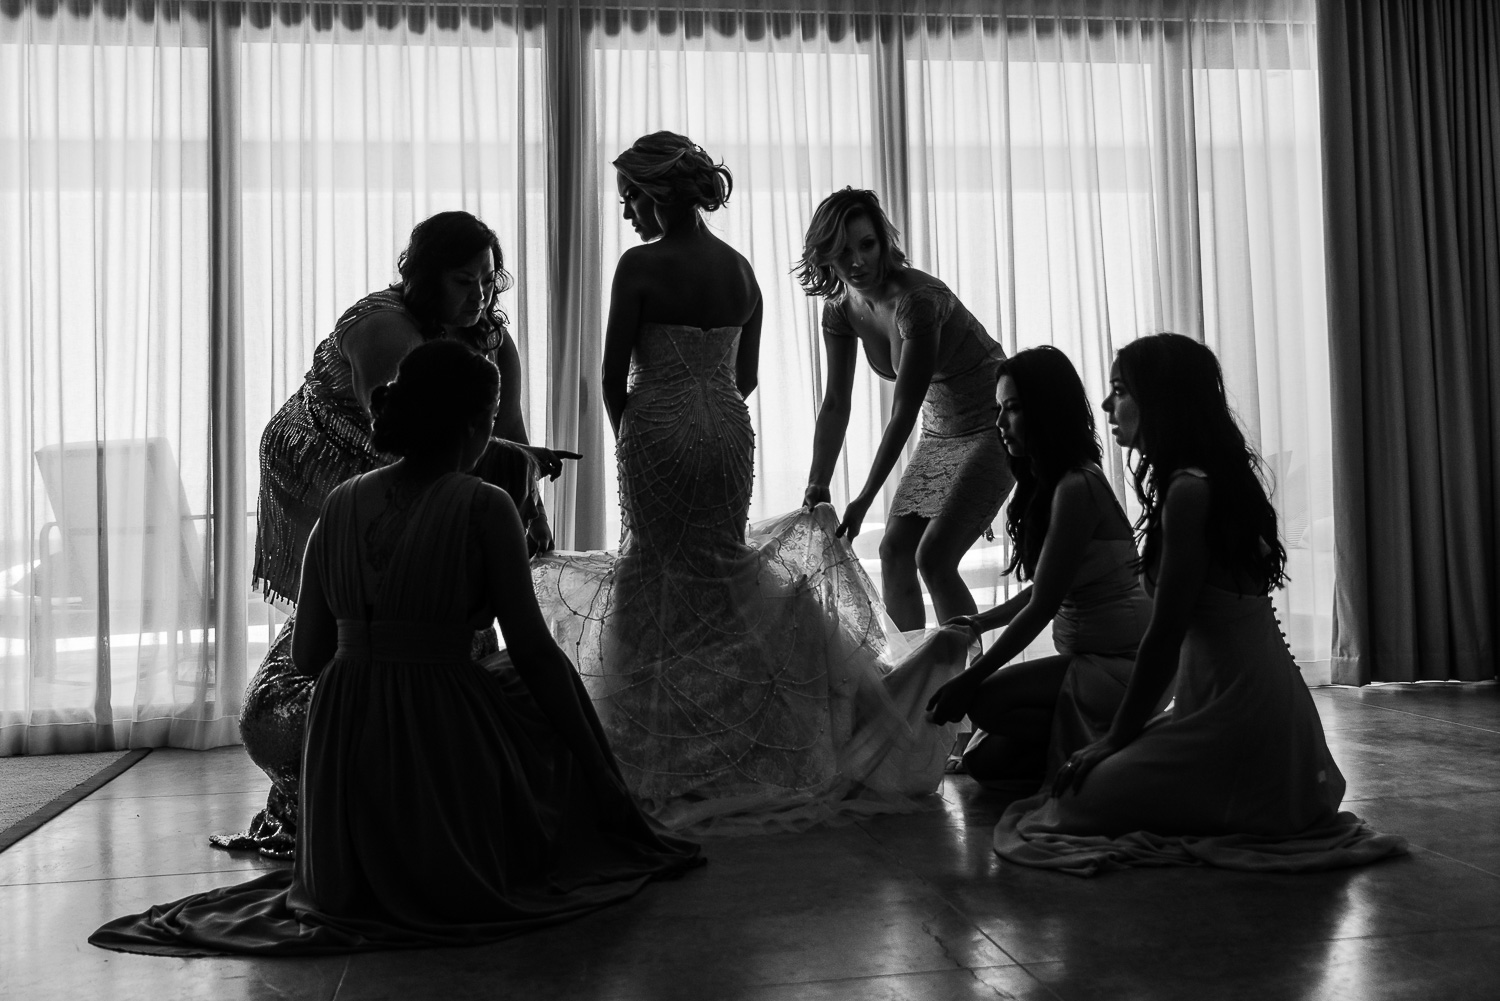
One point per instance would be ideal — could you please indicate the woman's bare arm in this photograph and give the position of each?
(374, 348)
(315, 637)
(841, 356)
(626, 297)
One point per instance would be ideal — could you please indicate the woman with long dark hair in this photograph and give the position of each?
(1236, 772)
(1072, 542)
(452, 273)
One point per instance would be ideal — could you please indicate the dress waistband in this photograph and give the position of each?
(405, 642)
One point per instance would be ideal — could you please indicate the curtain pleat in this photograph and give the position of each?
(575, 331)
(1411, 112)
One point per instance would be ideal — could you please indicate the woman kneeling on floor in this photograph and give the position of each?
(440, 803)
(1236, 773)
(1071, 539)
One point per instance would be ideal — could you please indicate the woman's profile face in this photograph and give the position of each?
(638, 210)
(1123, 410)
(1010, 420)
(858, 261)
(468, 290)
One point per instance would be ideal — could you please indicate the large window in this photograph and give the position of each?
(193, 192)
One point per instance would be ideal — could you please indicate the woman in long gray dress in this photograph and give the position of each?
(1236, 773)
(442, 804)
(1072, 542)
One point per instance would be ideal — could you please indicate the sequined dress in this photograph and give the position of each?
(439, 805)
(959, 470)
(319, 438)
(744, 681)
(1235, 774)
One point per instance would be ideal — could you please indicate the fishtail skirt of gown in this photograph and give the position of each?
(745, 681)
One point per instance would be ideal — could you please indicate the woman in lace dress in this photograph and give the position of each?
(917, 334)
(452, 272)
(743, 680)
(1072, 541)
(1236, 773)
(441, 804)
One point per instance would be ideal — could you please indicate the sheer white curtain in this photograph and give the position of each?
(355, 123)
(1086, 180)
(1077, 180)
(105, 469)
(191, 193)
(786, 103)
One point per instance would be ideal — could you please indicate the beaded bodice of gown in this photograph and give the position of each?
(686, 448)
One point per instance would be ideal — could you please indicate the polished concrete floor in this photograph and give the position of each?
(905, 907)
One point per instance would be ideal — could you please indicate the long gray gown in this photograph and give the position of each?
(438, 804)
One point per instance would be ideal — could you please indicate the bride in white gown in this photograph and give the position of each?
(745, 681)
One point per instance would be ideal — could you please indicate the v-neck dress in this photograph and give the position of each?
(438, 805)
(959, 470)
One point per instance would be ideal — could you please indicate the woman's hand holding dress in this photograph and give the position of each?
(815, 495)
(951, 702)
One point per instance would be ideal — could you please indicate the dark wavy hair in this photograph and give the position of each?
(825, 238)
(439, 244)
(441, 388)
(1060, 436)
(671, 169)
(1186, 421)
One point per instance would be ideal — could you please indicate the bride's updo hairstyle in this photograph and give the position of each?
(442, 389)
(826, 237)
(1185, 421)
(1059, 436)
(439, 244)
(671, 169)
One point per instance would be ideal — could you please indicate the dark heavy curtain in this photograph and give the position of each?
(1411, 117)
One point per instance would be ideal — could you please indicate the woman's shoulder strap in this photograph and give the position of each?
(835, 320)
(923, 310)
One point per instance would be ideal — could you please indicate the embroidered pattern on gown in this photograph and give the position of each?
(1235, 774)
(959, 469)
(319, 438)
(745, 682)
(438, 805)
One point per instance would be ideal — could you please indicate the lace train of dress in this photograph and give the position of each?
(746, 682)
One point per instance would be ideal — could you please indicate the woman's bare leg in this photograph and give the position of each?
(899, 586)
(938, 553)
(1014, 706)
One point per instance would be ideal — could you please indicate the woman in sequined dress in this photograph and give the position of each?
(1236, 773)
(451, 275)
(743, 678)
(442, 804)
(918, 335)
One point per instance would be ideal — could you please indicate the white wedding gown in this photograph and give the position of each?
(745, 681)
